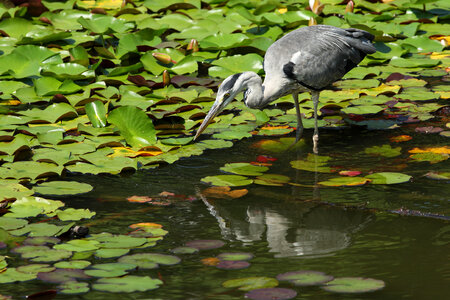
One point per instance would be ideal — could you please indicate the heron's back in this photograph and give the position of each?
(317, 55)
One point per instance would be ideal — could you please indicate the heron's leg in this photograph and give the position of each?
(299, 132)
(315, 99)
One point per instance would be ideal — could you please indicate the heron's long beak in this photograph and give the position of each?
(217, 107)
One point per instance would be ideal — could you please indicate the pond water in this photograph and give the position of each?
(342, 231)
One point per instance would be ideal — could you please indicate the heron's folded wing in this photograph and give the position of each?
(325, 60)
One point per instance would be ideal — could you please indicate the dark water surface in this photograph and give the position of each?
(343, 231)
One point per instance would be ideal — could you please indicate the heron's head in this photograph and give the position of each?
(229, 88)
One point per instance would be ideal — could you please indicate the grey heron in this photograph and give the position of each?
(306, 59)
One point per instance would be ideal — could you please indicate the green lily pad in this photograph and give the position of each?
(12, 223)
(245, 169)
(353, 285)
(12, 275)
(430, 157)
(305, 278)
(102, 24)
(388, 178)
(110, 252)
(47, 255)
(149, 260)
(235, 256)
(72, 214)
(271, 294)
(313, 163)
(345, 181)
(134, 125)
(79, 245)
(227, 180)
(109, 269)
(126, 284)
(251, 283)
(35, 268)
(109, 241)
(72, 264)
(59, 188)
(184, 250)
(384, 150)
(73, 287)
(96, 113)
(62, 275)
(272, 179)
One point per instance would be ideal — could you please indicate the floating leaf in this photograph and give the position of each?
(127, 284)
(224, 192)
(400, 138)
(388, 178)
(246, 169)
(227, 180)
(312, 163)
(62, 275)
(232, 265)
(149, 260)
(134, 126)
(235, 256)
(384, 150)
(305, 278)
(111, 252)
(73, 287)
(184, 250)
(72, 214)
(345, 181)
(205, 244)
(251, 283)
(271, 294)
(353, 285)
(11, 275)
(109, 269)
(59, 188)
(73, 264)
(96, 113)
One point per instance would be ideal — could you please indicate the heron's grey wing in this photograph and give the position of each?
(325, 54)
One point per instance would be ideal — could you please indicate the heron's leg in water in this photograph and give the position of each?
(315, 99)
(299, 132)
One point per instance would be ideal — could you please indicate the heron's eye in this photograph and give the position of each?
(226, 95)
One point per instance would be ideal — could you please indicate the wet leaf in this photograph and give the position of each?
(388, 178)
(232, 265)
(72, 214)
(72, 264)
(227, 180)
(251, 283)
(205, 244)
(109, 269)
(184, 250)
(73, 287)
(271, 294)
(96, 113)
(149, 260)
(235, 256)
(305, 278)
(62, 275)
(134, 126)
(384, 150)
(11, 275)
(59, 188)
(224, 192)
(353, 285)
(246, 169)
(345, 181)
(126, 284)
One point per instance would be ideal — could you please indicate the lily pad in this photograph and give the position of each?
(251, 283)
(305, 278)
(388, 178)
(126, 284)
(271, 294)
(233, 265)
(345, 181)
(184, 250)
(353, 285)
(62, 275)
(246, 169)
(149, 260)
(35, 268)
(227, 180)
(72, 214)
(235, 256)
(12, 275)
(109, 269)
(72, 264)
(73, 287)
(205, 244)
(110, 252)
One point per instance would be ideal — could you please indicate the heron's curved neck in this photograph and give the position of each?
(259, 94)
